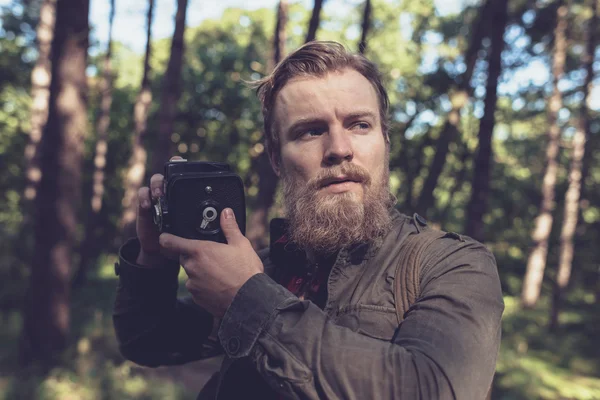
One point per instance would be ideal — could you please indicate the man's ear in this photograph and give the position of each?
(275, 160)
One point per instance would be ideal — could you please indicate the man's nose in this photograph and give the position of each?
(338, 146)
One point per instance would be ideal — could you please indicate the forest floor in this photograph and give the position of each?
(533, 362)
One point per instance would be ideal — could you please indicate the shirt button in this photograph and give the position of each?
(422, 221)
(233, 345)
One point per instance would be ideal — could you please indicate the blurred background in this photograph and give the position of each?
(495, 134)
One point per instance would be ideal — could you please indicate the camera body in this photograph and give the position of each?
(195, 194)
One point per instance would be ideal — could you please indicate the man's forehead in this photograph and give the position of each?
(348, 90)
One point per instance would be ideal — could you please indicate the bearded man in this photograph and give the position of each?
(314, 316)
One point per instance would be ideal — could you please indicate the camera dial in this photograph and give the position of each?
(209, 215)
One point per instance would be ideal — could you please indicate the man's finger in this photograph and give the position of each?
(144, 198)
(176, 244)
(230, 228)
(156, 185)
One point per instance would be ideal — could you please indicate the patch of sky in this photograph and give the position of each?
(352, 33)
(529, 17)
(245, 21)
(445, 103)
(501, 132)
(518, 104)
(427, 117)
(535, 73)
(434, 38)
(411, 108)
(406, 29)
(478, 108)
(568, 132)
(429, 60)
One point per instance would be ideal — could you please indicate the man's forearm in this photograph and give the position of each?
(153, 327)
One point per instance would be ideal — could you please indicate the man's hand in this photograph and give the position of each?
(216, 271)
(151, 255)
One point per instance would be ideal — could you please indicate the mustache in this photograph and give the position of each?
(351, 172)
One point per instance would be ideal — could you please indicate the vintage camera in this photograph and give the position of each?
(195, 193)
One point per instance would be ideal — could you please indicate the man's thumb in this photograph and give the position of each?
(230, 228)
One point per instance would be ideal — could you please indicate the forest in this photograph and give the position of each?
(495, 133)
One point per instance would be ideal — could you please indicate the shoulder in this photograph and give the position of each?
(438, 252)
(454, 250)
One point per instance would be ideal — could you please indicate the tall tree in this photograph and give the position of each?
(46, 313)
(572, 197)
(89, 247)
(40, 94)
(459, 96)
(366, 25)
(171, 91)
(483, 160)
(315, 20)
(136, 169)
(267, 184)
(536, 262)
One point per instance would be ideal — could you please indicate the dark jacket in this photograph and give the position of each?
(353, 348)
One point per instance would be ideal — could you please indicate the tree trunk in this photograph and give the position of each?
(40, 94)
(458, 98)
(280, 37)
(536, 263)
(46, 312)
(90, 246)
(267, 183)
(136, 169)
(171, 91)
(459, 181)
(413, 173)
(483, 160)
(315, 19)
(571, 212)
(366, 24)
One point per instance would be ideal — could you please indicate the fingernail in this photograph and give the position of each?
(229, 213)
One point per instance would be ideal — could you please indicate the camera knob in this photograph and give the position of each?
(208, 215)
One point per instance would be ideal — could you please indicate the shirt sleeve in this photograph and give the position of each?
(153, 326)
(445, 348)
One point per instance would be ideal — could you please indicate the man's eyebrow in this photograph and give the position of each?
(361, 114)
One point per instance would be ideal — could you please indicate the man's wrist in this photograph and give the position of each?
(151, 260)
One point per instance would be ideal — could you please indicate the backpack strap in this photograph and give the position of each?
(407, 284)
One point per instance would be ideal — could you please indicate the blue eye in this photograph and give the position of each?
(312, 132)
(361, 126)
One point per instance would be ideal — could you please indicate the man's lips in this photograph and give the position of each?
(338, 180)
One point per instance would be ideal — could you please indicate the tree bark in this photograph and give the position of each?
(46, 311)
(40, 94)
(136, 169)
(267, 183)
(459, 180)
(571, 211)
(483, 160)
(280, 37)
(171, 91)
(366, 25)
(459, 96)
(315, 20)
(536, 262)
(90, 246)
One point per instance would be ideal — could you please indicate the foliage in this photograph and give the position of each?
(420, 53)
